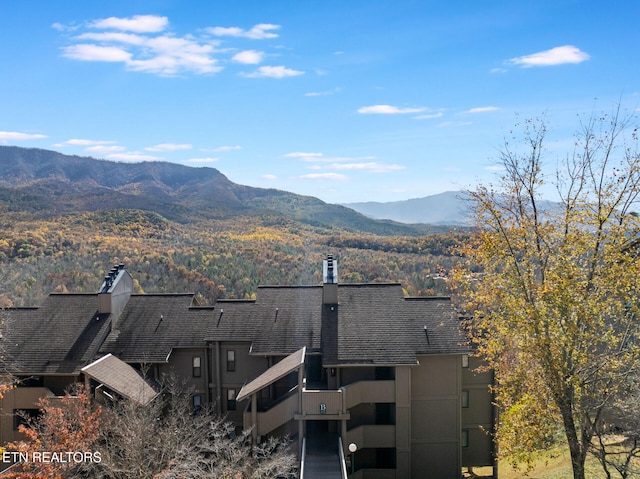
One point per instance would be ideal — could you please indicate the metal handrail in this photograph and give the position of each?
(303, 457)
(343, 464)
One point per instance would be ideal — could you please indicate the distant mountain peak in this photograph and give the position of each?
(447, 208)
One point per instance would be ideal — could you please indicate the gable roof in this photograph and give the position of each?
(368, 326)
(121, 378)
(275, 372)
(372, 324)
(151, 325)
(59, 337)
(290, 317)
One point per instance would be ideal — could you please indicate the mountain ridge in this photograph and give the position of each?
(447, 208)
(66, 183)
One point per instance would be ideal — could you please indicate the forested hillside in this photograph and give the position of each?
(62, 228)
(214, 258)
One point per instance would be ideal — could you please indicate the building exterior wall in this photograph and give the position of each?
(404, 425)
(234, 375)
(478, 416)
(435, 417)
(23, 399)
(181, 365)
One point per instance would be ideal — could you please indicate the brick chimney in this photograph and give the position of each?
(329, 281)
(115, 291)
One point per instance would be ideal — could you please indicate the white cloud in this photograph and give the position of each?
(387, 110)
(227, 148)
(96, 53)
(115, 37)
(260, 31)
(159, 54)
(324, 176)
(137, 23)
(133, 156)
(169, 147)
(494, 168)
(482, 109)
(429, 116)
(83, 142)
(142, 43)
(270, 177)
(302, 155)
(369, 166)
(104, 149)
(323, 93)
(17, 136)
(248, 57)
(63, 28)
(446, 124)
(274, 72)
(320, 158)
(554, 56)
(202, 160)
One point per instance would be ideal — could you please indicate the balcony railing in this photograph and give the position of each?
(383, 435)
(369, 392)
(276, 416)
(322, 403)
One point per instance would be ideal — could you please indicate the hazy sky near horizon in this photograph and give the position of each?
(343, 100)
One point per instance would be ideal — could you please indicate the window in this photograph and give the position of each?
(465, 398)
(231, 360)
(231, 399)
(465, 360)
(464, 438)
(197, 403)
(197, 370)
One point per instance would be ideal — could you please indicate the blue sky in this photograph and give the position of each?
(343, 100)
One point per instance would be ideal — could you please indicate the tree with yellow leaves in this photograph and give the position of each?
(555, 301)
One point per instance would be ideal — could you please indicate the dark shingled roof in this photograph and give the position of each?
(443, 327)
(151, 325)
(59, 337)
(372, 324)
(290, 317)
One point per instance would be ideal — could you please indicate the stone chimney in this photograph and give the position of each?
(329, 281)
(115, 291)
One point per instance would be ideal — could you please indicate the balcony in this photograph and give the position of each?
(322, 404)
(369, 392)
(374, 436)
(277, 415)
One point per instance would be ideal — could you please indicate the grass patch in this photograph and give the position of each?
(552, 464)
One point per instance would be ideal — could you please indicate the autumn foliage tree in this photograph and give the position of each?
(61, 442)
(555, 307)
(168, 439)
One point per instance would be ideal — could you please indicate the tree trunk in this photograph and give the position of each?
(576, 448)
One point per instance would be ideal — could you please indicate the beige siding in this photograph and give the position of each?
(246, 368)
(181, 365)
(21, 398)
(478, 417)
(404, 426)
(435, 417)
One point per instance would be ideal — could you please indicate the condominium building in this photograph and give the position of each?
(360, 377)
